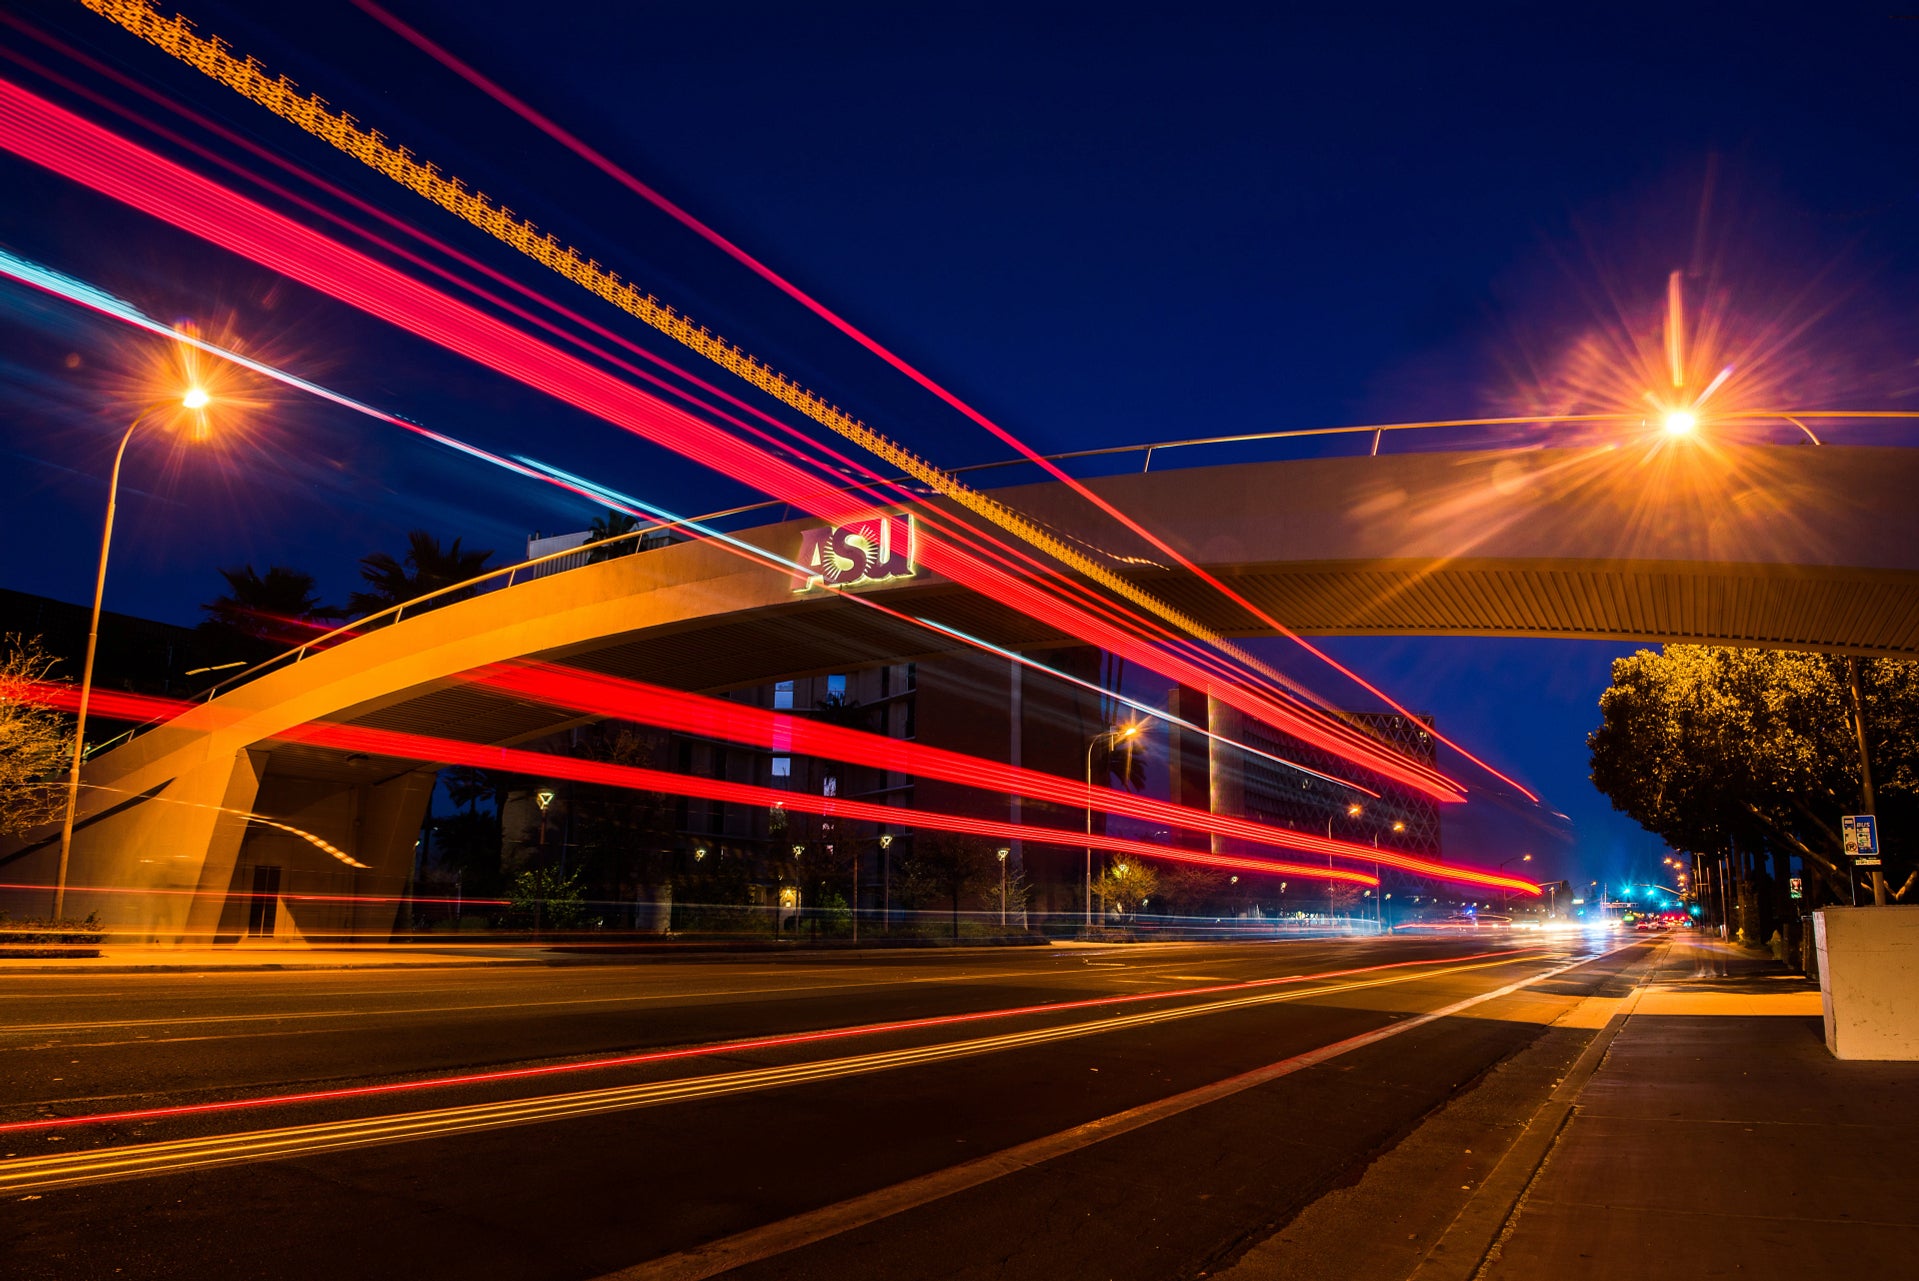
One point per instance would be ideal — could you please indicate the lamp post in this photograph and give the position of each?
(799, 894)
(1004, 851)
(193, 399)
(886, 881)
(1352, 811)
(1505, 898)
(1118, 734)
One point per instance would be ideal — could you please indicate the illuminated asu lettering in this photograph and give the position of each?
(873, 550)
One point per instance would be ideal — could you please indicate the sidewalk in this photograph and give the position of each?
(1718, 1138)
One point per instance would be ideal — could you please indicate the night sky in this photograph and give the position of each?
(1099, 224)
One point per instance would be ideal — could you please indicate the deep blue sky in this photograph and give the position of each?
(1100, 224)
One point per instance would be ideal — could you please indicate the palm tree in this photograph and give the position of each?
(281, 606)
(612, 525)
(427, 568)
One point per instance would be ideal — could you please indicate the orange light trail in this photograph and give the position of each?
(244, 895)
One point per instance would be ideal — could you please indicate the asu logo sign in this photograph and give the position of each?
(874, 550)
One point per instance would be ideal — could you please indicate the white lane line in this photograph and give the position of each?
(818, 1225)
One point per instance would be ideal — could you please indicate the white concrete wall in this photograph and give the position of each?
(1869, 980)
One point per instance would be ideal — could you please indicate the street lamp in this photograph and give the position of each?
(1505, 896)
(1111, 737)
(1353, 810)
(886, 881)
(196, 400)
(1004, 851)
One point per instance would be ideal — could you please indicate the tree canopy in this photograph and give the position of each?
(1709, 748)
(427, 567)
(34, 741)
(281, 606)
(610, 526)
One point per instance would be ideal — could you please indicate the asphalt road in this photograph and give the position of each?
(1142, 1112)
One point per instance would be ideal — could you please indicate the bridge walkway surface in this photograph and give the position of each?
(1704, 1131)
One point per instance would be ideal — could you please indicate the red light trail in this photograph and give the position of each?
(736, 722)
(56, 139)
(696, 714)
(898, 363)
(446, 751)
(94, 299)
(722, 1047)
(376, 742)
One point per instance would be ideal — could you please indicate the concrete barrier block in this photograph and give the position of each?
(1869, 980)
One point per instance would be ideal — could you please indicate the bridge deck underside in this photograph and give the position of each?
(1869, 613)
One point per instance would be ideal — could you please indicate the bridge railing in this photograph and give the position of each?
(496, 579)
(507, 575)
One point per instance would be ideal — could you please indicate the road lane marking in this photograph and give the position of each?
(36, 1174)
(25, 1029)
(714, 1049)
(806, 1229)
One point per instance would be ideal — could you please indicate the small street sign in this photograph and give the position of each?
(1860, 835)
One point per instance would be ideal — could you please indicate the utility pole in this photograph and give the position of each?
(1865, 775)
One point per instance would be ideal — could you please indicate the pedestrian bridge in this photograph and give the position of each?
(1674, 540)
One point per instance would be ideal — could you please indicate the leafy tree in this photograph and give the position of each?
(426, 567)
(281, 606)
(1127, 883)
(1019, 892)
(839, 709)
(948, 868)
(1189, 891)
(1742, 752)
(468, 785)
(610, 526)
(35, 742)
(546, 899)
(621, 835)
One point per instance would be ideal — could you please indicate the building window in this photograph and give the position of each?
(831, 787)
(782, 767)
(836, 687)
(783, 696)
